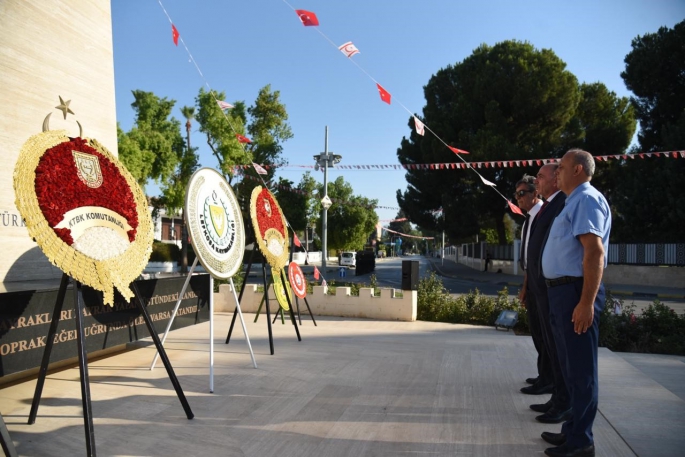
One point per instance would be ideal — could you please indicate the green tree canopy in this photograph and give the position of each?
(505, 102)
(350, 219)
(152, 147)
(647, 199)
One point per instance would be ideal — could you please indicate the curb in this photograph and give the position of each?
(646, 294)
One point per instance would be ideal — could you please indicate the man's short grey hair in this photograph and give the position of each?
(528, 180)
(585, 159)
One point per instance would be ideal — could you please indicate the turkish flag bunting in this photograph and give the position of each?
(296, 240)
(385, 95)
(316, 273)
(307, 17)
(242, 139)
(458, 151)
(174, 34)
(515, 209)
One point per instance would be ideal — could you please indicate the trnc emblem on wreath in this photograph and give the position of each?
(88, 168)
(222, 223)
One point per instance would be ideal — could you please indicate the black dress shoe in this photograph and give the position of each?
(532, 380)
(557, 439)
(542, 407)
(566, 451)
(555, 416)
(537, 389)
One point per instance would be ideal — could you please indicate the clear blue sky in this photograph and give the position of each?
(241, 46)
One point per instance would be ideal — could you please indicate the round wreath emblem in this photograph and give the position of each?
(269, 226)
(297, 280)
(84, 210)
(215, 223)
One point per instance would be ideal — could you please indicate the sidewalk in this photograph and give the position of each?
(452, 269)
(351, 387)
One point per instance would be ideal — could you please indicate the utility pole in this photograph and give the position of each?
(325, 160)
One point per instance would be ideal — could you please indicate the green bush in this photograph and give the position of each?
(434, 303)
(164, 252)
(657, 330)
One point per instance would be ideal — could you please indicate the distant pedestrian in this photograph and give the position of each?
(488, 258)
(573, 261)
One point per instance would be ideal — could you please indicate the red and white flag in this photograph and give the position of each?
(296, 240)
(458, 151)
(242, 139)
(224, 105)
(260, 170)
(316, 273)
(419, 126)
(308, 18)
(385, 95)
(486, 182)
(348, 49)
(174, 34)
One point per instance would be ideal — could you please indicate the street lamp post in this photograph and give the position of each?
(325, 160)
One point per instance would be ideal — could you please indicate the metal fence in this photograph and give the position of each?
(665, 254)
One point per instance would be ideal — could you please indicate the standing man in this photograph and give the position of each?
(558, 408)
(573, 261)
(527, 199)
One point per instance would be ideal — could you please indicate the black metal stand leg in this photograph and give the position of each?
(240, 296)
(48, 348)
(310, 311)
(259, 309)
(297, 303)
(162, 353)
(83, 371)
(6, 441)
(268, 311)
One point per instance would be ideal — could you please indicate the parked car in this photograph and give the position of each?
(348, 259)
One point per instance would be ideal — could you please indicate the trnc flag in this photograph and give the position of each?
(308, 18)
(486, 182)
(260, 170)
(316, 273)
(174, 34)
(385, 95)
(515, 209)
(324, 283)
(348, 49)
(296, 240)
(223, 105)
(458, 151)
(419, 126)
(242, 139)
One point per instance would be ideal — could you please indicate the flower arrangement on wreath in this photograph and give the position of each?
(269, 226)
(84, 210)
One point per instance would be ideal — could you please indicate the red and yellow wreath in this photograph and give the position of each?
(270, 227)
(85, 211)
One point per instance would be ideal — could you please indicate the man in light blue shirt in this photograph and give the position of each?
(573, 261)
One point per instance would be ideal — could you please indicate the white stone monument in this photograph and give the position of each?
(49, 48)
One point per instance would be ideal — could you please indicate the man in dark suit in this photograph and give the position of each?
(558, 408)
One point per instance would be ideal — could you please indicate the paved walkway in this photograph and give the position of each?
(351, 387)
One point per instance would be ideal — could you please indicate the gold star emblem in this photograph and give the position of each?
(64, 107)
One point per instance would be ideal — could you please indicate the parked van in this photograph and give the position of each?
(348, 259)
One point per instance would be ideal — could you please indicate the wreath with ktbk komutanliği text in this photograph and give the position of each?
(83, 209)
